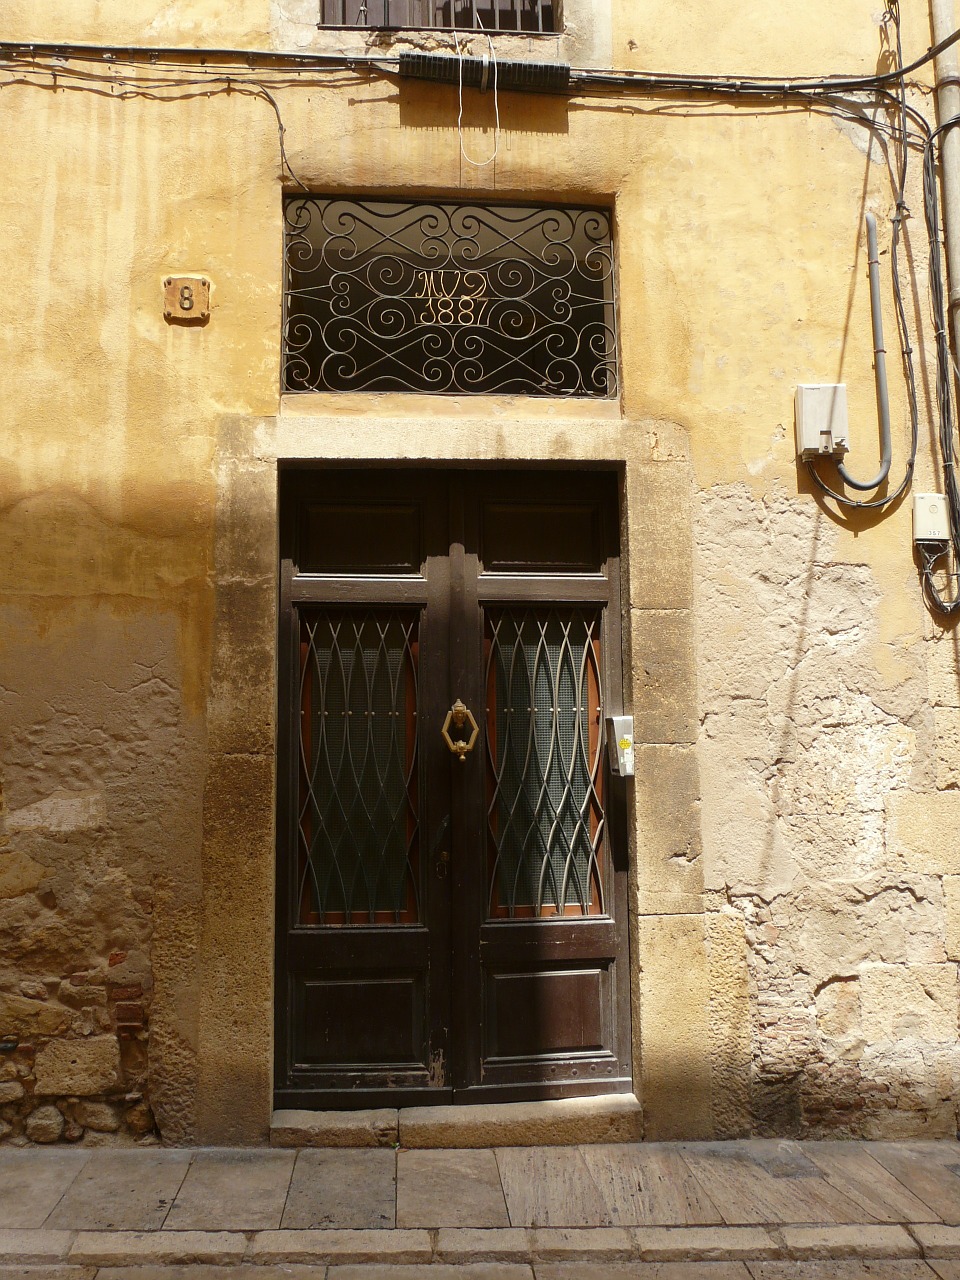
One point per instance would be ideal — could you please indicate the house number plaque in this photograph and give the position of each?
(186, 298)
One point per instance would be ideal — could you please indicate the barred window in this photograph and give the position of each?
(465, 15)
(456, 298)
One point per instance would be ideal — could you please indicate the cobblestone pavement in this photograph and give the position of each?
(759, 1210)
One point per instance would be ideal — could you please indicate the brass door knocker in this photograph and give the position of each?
(458, 716)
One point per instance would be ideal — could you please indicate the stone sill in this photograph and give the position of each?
(611, 1118)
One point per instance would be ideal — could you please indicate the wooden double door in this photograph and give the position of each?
(451, 895)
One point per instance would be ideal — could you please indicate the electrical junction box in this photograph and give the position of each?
(931, 520)
(620, 745)
(821, 411)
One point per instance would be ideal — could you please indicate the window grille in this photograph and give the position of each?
(464, 15)
(463, 299)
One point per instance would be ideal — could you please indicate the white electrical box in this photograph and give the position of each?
(821, 412)
(931, 520)
(620, 745)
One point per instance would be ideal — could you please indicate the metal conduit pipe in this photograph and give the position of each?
(948, 102)
(879, 367)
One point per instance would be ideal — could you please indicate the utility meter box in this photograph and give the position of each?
(821, 413)
(620, 745)
(931, 520)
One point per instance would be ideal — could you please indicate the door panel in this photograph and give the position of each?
(451, 925)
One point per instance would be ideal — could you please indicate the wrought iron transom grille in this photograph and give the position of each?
(448, 298)
(545, 816)
(466, 15)
(358, 812)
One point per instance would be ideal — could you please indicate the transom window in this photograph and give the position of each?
(465, 15)
(455, 298)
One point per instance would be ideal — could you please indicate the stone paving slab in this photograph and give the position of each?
(343, 1188)
(557, 1244)
(938, 1241)
(929, 1180)
(945, 1269)
(642, 1271)
(549, 1187)
(34, 1245)
(720, 1244)
(864, 1269)
(32, 1183)
(341, 1246)
(851, 1169)
(52, 1272)
(129, 1248)
(242, 1271)
(233, 1190)
(121, 1191)
(466, 1244)
(436, 1271)
(648, 1184)
(752, 1182)
(449, 1189)
(848, 1242)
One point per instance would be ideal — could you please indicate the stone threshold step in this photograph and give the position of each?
(565, 1122)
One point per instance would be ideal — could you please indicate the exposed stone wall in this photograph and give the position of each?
(828, 840)
(88, 716)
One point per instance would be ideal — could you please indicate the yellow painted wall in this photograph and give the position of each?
(827, 720)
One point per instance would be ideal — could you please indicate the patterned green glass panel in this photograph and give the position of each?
(545, 817)
(358, 827)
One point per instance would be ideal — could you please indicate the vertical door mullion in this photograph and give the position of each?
(467, 787)
(288, 729)
(436, 827)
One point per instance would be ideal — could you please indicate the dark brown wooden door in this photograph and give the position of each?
(451, 925)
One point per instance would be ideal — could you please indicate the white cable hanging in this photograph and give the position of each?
(479, 164)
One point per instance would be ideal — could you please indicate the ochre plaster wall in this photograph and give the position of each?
(795, 915)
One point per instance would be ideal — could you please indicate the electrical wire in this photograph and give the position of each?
(160, 74)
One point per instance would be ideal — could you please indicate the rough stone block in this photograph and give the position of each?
(922, 829)
(661, 538)
(384, 1247)
(919, 1001)
(10, 1091)
(377, 1128)
(130, 1248)
(861, 1241)
(474, 1244)
(102, 1117)
(19, 873)
(34, 1246)
(951, 906)
(80, 1067)
(731, 1032)
(675, 1027)
(664, 676)
(557, 1244)
(937, 1241)
(669, 854)
(44, 1125)
(704, 1244)
(23, 1016)
(565, 1122)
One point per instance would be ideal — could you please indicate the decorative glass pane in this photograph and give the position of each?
(544, 718)
(448, 298)
(358, 826)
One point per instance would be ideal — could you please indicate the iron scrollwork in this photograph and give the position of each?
(479, 299)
